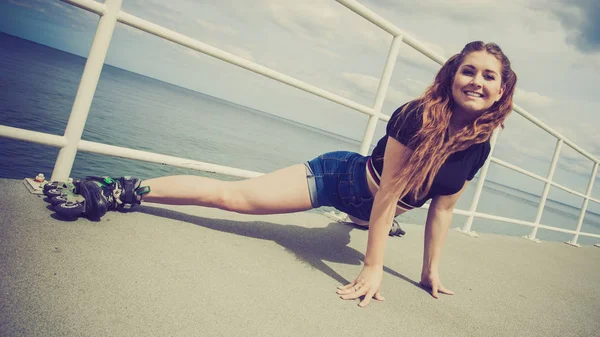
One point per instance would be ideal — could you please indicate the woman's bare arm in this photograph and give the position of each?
(439, 218)
(368, 281)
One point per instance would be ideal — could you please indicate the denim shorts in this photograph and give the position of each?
(338, 179)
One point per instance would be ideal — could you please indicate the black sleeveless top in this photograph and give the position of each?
(458, 168)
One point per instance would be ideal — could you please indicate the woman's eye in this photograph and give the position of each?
(490, 77)
(467, 72)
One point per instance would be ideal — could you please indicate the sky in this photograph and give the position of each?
(554, 47)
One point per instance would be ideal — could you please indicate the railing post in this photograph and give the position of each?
(538, 218)
(86, 90)
(479, 187)
(588, 193)
(381, 93)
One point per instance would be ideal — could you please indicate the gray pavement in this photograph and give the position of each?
(192, 271)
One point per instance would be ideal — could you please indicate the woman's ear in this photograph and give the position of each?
(501, 92)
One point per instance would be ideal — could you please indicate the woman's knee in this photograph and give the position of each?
(224, 199)
(230, 199)
(358, 221)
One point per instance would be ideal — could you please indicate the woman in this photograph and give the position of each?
(433, 147)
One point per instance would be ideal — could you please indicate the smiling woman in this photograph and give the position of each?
(476, 85)
(434, 145)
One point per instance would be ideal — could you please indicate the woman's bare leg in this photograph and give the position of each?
(282, 191)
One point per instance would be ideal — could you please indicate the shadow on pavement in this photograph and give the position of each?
(309, 245)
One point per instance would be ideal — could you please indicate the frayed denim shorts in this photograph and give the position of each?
(338, 179)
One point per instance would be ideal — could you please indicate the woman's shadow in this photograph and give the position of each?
(309, 245)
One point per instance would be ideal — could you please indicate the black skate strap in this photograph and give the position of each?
(129, 190)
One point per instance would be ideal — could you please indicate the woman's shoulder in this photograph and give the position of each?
(409, 113)
(478, 155)
(485, 147)
(481, 150)
(410, 108)
(477, 152)
(405, 122)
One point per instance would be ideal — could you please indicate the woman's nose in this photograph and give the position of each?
(477, 81)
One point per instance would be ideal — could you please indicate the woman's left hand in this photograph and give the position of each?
(367, 284)
(431, 280)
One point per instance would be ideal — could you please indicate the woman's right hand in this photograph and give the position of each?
(431, 281)
(367, 284)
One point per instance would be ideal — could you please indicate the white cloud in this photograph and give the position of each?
(132, 31)
(368, 85)
(193, 53)
(309, 20)
(375, 39)
(464, 10)
(532, 98)
(320, 22)
(239, 51)
(412, 56)
(63, 6)
(21, 4)
(38, 5)
(329, 53)
(217, 28)
(415, 87)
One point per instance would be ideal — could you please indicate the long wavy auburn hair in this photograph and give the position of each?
(433, 146)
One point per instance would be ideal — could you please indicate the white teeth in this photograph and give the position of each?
(473, 94)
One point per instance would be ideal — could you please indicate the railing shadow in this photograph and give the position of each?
(309, 245)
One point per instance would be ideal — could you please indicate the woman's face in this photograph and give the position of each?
(477, 84)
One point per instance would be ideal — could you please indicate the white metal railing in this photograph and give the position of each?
(110, 13)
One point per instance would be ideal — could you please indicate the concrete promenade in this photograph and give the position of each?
(192, 271)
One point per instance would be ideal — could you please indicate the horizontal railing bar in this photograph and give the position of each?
(589, 235)
(188, 42)
(566, 189)
(59, 142)
(554, 133)
(122, 152)
(518, 169)
(514, 221)
(372, 17)
(186, 163)
(520, 222)
(116, 151)
(391, 28)
(540, 178)
(531, 224)
(233, 59)
(90, 5)
(33, 136)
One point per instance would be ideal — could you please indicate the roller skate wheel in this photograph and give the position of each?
(59, 199)
(53, 192)
(70, 209)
